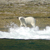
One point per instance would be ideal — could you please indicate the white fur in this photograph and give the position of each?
(27, 20)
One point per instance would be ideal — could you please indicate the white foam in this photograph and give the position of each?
(26, 33)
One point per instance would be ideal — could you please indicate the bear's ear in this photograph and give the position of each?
(17, 17)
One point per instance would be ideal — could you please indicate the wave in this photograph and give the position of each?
(26, 33)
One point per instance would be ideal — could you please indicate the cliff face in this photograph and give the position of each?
(15, 1)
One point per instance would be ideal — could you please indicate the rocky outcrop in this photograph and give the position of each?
(18, 1)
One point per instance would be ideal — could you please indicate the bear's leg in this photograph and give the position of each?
(21, 25)
(25, 25)
(33, 25)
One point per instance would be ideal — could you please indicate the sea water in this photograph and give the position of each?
(26, 33)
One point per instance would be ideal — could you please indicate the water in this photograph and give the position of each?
(16, 32)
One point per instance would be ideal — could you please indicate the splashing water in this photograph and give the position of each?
(26, 33)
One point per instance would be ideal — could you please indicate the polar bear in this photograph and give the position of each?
(27, 21)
